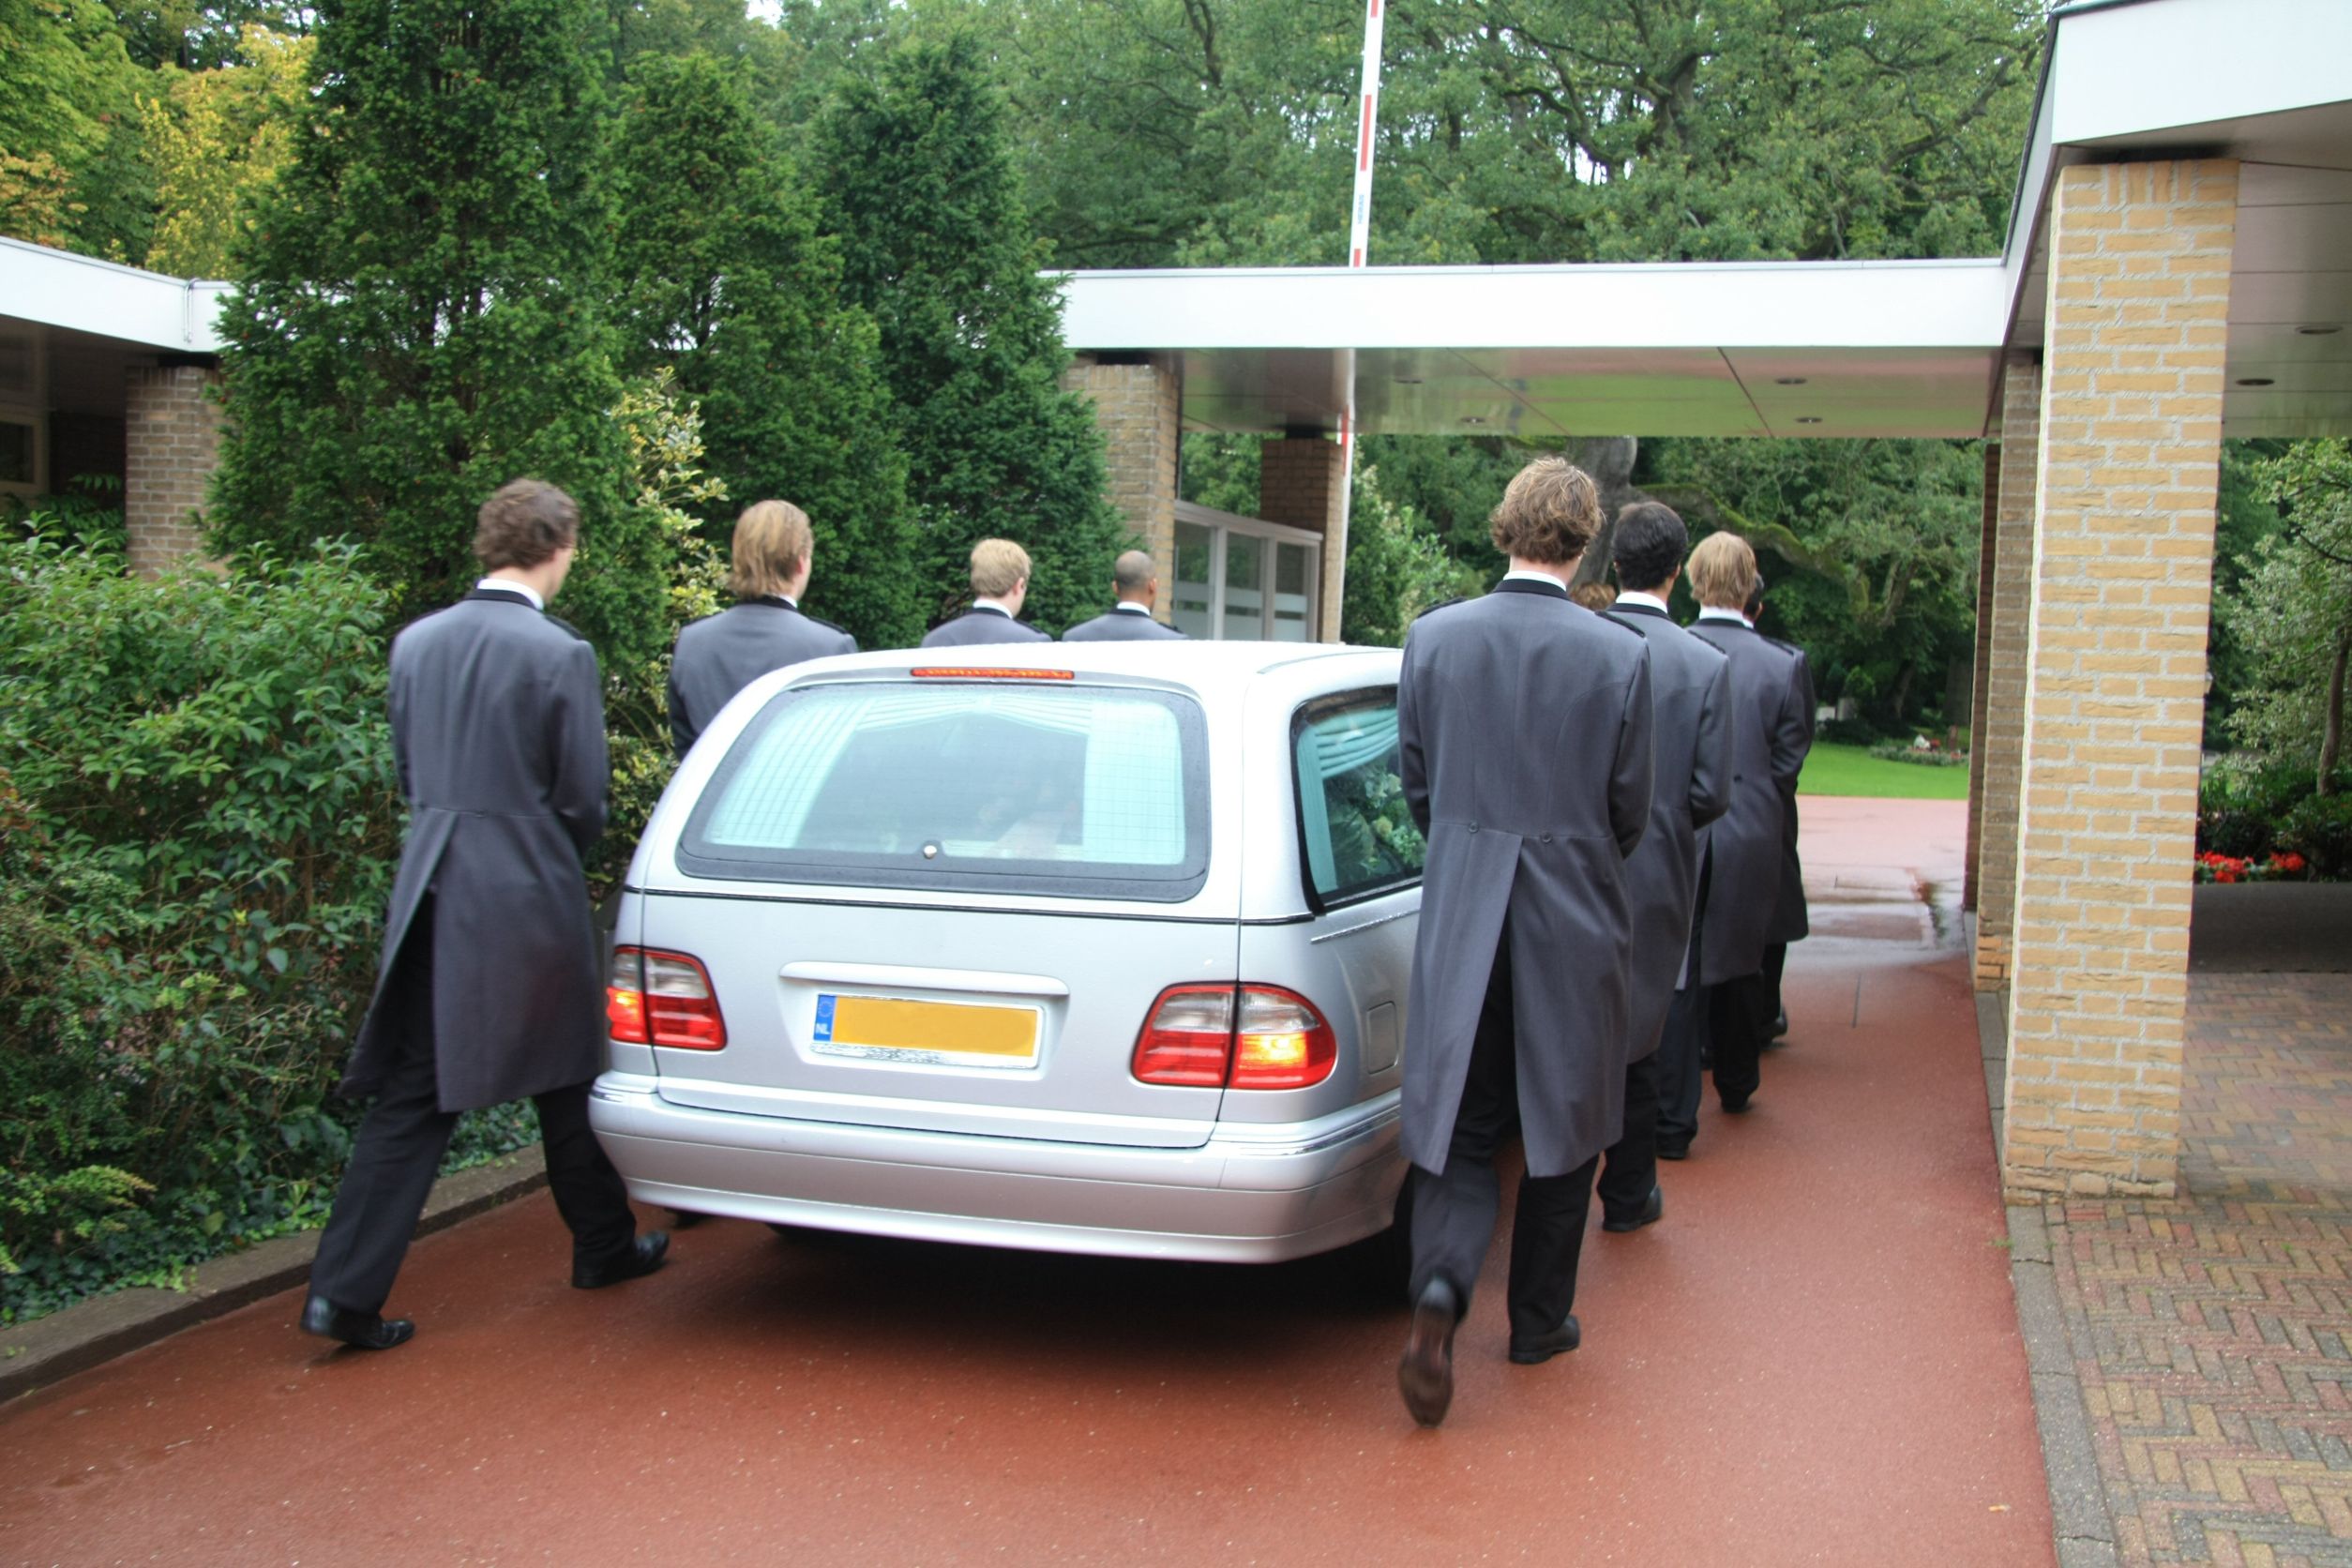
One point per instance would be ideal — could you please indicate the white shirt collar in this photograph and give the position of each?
(1646, 601)
(508, 585)
(1547, 579)
(992, 604)
(1732, 615)
(1131, 607)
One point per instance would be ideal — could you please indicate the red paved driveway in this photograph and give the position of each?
(1812, 1359)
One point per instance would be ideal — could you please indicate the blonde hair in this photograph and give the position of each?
(1549, 512)
(772, 541)
(997, 565)
(1596, 596)
(1721, 571)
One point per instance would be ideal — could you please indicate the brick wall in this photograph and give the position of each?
(2130, 426)
(171, 439)
(1140, 410)
(1978, 696)
(2001, 668)
(1300, 483)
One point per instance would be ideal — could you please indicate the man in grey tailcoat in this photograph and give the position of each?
(1790, 921)
(768, 566)
(1690, 685)
(491, 984)
(999, 584)
(1135, 586)
(1524, 724)
(1772, 725)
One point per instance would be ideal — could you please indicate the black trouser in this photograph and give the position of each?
(1454, 1212)
(1737, 1032)
(1682, 1042)
(1776, 962)
(1630, 1169)
(397, 1152)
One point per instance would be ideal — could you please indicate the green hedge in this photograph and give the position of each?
(198, 826)
(2251, 809)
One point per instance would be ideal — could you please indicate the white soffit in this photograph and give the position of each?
(1888, 348)
(2271, 87)
(81, 293)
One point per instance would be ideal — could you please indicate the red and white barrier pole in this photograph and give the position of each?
(1359, 246)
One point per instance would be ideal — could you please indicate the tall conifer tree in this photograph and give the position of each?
(426, 308)
(727, 277)
(920, 185)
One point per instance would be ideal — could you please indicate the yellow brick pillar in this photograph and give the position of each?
(2004, 617)
(2122, 583)
(1139, 405)
(1980, 669)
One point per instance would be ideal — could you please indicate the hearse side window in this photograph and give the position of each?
(1359, 838)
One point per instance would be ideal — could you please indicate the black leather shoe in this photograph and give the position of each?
(362, 1331)
(1780, 1023)
(1735, 1106)
(1534, 1352)
(1649, 1215)
(1426, 1375)
(1674, 1151)
(643, 1256)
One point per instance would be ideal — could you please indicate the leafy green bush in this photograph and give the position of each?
(2244, 803)
(2320, 830)
(196, 831)
(1850, 731)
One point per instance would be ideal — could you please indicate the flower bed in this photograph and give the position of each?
(2212, 868)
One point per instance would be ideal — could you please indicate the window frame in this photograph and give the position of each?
(1309, 711)
(1221, 527)
(836, 868)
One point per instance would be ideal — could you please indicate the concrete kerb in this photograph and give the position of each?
(37, 1354)
(2079, 1517)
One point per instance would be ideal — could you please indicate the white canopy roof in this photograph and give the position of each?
(1818, 348)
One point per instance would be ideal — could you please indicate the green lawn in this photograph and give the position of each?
(1851, 770)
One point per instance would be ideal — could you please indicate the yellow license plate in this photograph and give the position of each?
(895, 1026)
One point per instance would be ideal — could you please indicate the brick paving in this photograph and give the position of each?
(2209, 1331)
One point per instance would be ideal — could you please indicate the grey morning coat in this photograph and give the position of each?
(1122, 625)
(1789, 922)
(1771, 729)
(1524, 724)
(979, 625)
(720, 654)
(498, 733)
(1690, 688)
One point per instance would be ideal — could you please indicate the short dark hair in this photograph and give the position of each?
(1549, 513)
(1132, 573)
(1755, 598)
(523, 524)
(1650, 544)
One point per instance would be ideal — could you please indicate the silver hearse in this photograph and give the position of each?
(1093, 948)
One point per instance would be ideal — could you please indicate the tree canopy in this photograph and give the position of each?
(421, 316)
(919, 183)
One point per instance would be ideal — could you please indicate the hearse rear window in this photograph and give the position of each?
(1011, 787)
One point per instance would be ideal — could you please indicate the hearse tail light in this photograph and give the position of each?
(1188, 1040)
(1281, 1041)
(671, 1003)
(1235, 1038)
(933, 672)
(625, 997)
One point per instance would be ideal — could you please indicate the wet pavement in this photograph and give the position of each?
(1814, 1358)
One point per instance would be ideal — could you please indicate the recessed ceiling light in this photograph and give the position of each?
(2256, 381)
(1474, 418)
(1788, 380)
(1808, 419)
(2318, 331)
